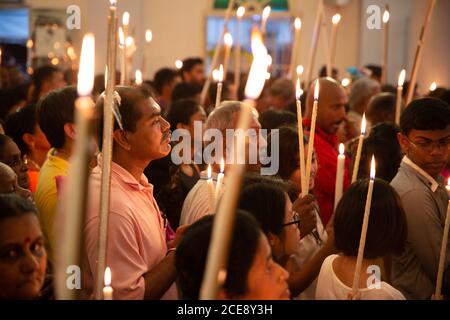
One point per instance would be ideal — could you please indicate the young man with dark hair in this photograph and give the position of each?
(425, 139)
(164, 82)
(193, 71)
(185, 90)
(56, 119)
(46, 79)
(137, 249)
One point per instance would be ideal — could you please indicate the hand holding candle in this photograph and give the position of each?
(442, 254)
(398, 104)
(362, 241)
(339, 175)
(359, 150)
(108, 290)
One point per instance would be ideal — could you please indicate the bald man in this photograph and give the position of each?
(330, 115)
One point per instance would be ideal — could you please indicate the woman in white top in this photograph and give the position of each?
(386, 234)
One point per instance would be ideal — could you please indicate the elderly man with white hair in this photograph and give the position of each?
(226, 116)
(362, 90)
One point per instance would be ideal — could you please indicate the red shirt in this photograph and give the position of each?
(325, 146)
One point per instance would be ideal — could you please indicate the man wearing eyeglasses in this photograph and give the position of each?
(425, 140)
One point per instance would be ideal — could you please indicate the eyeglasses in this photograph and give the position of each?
(296, 220)
(429, 146)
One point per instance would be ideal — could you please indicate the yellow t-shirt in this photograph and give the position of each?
(46, 196)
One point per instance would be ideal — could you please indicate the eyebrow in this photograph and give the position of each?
(425, 138)
(17, 244)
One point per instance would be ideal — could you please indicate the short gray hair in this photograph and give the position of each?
(362, 89)
(222, 117)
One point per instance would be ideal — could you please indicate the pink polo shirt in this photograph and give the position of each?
(136, 234)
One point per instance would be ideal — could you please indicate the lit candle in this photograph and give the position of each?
(345, 82)
(300, 70)
(125, 24)
(108, 124)
(385, 44)
(211, 191)
(148, 40)
(359, 150)
(362, 241)
(265, 17)
(440, 273)
(107, 290)
(398, 104)
(220, 177)
(237, 64)
(178, 64)
(123, 60)
(295, 45)
(311, 134)
(339, 175)
(433, 86)
(335, 20)
(219, 86)
(298, 93)
(228, 40)
(138, 78)
(76, 193)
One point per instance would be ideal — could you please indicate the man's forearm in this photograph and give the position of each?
(160, 278)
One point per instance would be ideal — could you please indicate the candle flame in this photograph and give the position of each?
(316, 91)
(266, 12)
(208, 172)
(126, 18)
(363, 125)
(121, 37)
(258, 70)
(228, 39)
(269, 60)
(138, 77)
(113, 3)
(29, 44)
(298, 23)
(433, 86)
(107, 278)
(336, 18)
(401, 78)
(345, 82)
(220, 74)
(222, 165)
(148, 36)
(179, 64)
(298, 90)
(300, 70)
(215, 75)
(386, 16)
(129, 42)
(341, 149)
(240, 12)
(372, 168)
(86, 72)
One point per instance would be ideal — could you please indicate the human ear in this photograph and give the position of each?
(402, 140)
(70, 130)
(29, 140)
(121, 139)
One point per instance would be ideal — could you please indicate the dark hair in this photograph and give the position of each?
(387, 229)
(190, 258)
(181, 111)
(383, 144)
(185, 90)
(274, 119)
(383, 103)
(55, 110)
(11, 97)
(4, 139)
(162, 77)
(13, 206)
(189, 64)
(425, 114)
(267, 203)
(129, 99)
(375, 69)
(41, 75)
(21, 122)
(289, 157)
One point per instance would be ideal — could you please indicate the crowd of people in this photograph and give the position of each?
(283, 245)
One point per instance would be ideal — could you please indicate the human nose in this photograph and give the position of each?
(29, 262)
(282, 273)
(164, 125)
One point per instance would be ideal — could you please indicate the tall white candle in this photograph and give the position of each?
(442, 254)
(220, 177)
(362, 241)
(385, 45)
(398, 103)
(335, 20)
(237, 63)
(359, 150)
(123, 57)
(108, 290)
(311, 134)
(301, 143)
(228, 40)
(125, 23)
(211, 191)
(295, 46)
(338, 189)
(265, 16)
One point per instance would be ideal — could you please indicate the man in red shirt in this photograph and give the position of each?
(330, 115)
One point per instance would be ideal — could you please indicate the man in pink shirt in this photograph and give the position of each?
(137, 253)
